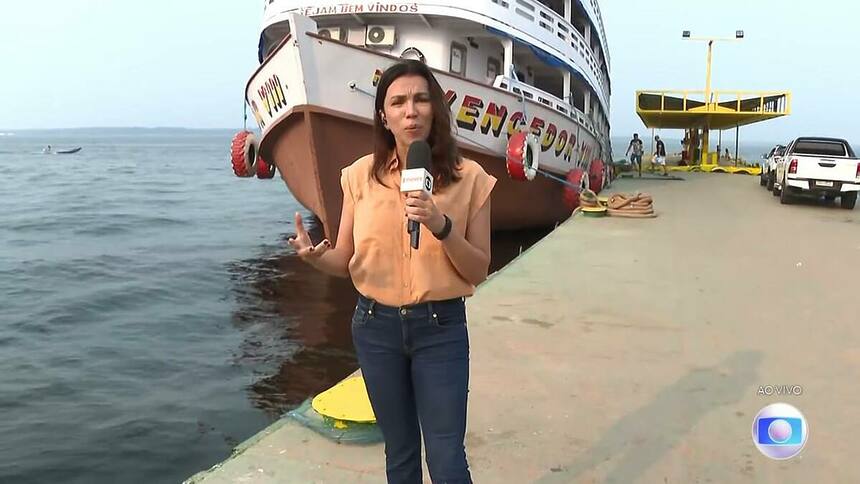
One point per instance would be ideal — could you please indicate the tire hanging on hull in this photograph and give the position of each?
(596, 176)
(522, 156)
(265, 171)
(243, 154)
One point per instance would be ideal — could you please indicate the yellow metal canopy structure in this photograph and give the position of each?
(726, 109)
(688, 110)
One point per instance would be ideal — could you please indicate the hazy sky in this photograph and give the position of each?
(72, 63)
(808, 48)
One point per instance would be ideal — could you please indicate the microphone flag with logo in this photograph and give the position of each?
(416, 177)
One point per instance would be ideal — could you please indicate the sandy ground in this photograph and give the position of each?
(620, 350)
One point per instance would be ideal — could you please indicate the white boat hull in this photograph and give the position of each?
(313, 100)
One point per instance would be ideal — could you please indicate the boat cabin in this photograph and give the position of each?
(552, 52)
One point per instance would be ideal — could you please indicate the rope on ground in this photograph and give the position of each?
(635, 205)
(630, 205)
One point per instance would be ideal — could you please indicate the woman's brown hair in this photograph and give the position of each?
(446, 158)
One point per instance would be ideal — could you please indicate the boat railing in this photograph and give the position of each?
(546, 99)
(599, 25)
(562, 32)
(727, 101)
(531, 20)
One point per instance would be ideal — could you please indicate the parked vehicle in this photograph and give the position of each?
(818, 166)
(768, 168)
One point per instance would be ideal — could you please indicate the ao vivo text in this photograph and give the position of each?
(768, 390)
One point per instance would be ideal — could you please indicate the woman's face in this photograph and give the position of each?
(408, 110)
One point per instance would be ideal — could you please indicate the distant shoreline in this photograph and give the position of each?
(616, 140)
(114, 130)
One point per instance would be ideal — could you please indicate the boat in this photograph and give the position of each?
(50, 151)
(511, 70)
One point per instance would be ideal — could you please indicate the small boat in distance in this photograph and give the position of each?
(50, 151)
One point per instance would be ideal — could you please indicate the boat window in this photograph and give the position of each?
(556, 5)
(458, 59)
(577, 96)
(494, 67)
(271, 38)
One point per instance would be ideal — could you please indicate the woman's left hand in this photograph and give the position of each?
(420, 208)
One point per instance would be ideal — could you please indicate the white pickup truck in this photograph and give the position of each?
(818, 166)
(768, 167)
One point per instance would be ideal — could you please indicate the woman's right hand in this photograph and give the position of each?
(303, 245)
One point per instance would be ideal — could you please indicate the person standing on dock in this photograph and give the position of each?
(637, 148)
(660, 154)
(685, 149)
(409, 325)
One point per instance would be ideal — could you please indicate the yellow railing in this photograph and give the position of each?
(735, 102)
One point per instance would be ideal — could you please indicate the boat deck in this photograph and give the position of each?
(629, 350)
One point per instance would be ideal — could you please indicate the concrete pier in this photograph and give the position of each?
(629, 350)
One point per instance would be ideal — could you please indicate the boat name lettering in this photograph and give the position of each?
(377, 75)
(537, 127)
(450, 97)
(256, 111)
(272, 98)
(469, 111)
(561, 142)
(470, 114)
(495, 117)
(375, 7)
(517, 121)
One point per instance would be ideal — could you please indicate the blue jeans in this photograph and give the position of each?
(415, 362)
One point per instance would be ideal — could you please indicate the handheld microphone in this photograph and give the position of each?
(416, 177)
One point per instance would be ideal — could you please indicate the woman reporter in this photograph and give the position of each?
(409, 326)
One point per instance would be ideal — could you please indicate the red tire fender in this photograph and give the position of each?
(264, 170)
(576, 177)
(596, 175)
(243, 154)
(522, 156)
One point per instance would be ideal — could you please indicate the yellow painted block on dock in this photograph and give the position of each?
(347, 401)
(745, 170)
(594, 211)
